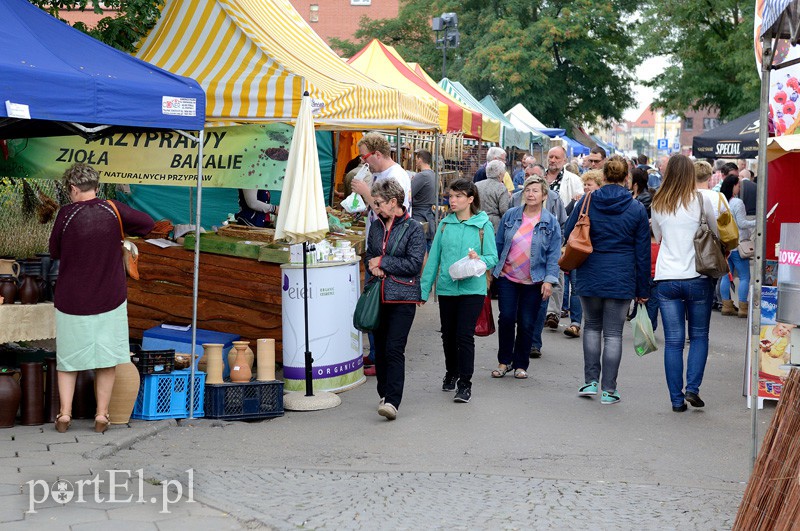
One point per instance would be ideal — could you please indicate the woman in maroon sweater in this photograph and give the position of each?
(91, 292)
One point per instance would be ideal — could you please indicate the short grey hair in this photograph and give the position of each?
(494, 153)
(495, 170)
(81, 176)
(535, 179)
(388, 189)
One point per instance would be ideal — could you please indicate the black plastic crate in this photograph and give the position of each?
(154, 361)
(242, 401)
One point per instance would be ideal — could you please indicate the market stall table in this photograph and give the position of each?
(27, 322)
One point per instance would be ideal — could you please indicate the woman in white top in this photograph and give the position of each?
(738, 265)
(681, 291)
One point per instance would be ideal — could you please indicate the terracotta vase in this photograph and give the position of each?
(123, 396)
(212, 354)
(265, 369)
(29, 290)
(8, 289)
(51, 396)
(10, 395)
(32, 386)
(248, 352)
(240, 369)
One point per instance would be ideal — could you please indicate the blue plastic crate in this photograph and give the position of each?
(243, 401)
(158, 338)
(166, 396)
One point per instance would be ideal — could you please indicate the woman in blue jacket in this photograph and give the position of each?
(617, 271)
(466, 231)
(529, 244)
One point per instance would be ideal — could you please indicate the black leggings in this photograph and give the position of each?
(459, 315)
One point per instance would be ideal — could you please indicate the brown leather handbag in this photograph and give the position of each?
(579, 245)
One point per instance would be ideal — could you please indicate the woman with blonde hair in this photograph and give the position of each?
(617, 271)
(683, 293)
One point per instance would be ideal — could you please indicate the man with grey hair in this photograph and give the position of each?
(654, 176)
(747, 191)
(493, 194)
(519, 176)
(494, 153)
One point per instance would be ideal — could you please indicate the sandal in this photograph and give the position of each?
(520, 374)
(500, 372)
(61, 424)
(101, 422)
(573, 331)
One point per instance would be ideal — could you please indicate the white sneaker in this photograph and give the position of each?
(388, 411)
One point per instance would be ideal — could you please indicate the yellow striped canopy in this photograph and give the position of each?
(254, 59)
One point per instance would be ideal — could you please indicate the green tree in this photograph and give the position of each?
(640, 145)
(710, 49)
(135, 19)
(567, 61)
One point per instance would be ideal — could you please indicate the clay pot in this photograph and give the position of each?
(265, 349)
(9, 267)
(10, 395)
(32, 386)
(212, 354)
(248, 352)
(29, 290)
(8, 289)
(51, 396)
(123, 396)
(240, 369)
(84, 403)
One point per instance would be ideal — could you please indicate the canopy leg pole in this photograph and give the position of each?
(308, 359)
(196, 280)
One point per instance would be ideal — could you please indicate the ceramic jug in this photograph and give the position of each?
(9, 267)
(8, 289)
(240, 370)
(29, 290)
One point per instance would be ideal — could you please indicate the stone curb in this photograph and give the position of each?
(112, 447)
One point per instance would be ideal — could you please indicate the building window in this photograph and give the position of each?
(688, 124)
(710, 123)
(314, 14)
(360, 2)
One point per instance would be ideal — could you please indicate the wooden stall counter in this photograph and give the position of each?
(236, 295)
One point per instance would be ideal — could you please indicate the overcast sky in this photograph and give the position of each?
(644, 95)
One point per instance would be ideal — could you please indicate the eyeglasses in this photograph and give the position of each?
(378, 202)
(368, 155)
(595, 161)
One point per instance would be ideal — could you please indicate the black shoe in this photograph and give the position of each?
(463, 395)
(449, 383)
(564, 313)
(536, 353)
(694, 400)
(551, 321)
(679, 409)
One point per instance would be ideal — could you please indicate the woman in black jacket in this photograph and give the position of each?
(395, 251)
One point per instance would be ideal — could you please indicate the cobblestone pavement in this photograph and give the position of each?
(316, 499)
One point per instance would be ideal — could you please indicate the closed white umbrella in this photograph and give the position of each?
(302, 216)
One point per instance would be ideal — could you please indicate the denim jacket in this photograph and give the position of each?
(545, 244)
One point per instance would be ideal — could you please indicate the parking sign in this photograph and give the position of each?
(662, 144)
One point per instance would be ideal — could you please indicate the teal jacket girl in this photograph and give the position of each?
(452, 242)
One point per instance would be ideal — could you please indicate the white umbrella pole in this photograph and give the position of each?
(196, 280)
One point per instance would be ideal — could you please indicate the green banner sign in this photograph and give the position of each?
(245, 156)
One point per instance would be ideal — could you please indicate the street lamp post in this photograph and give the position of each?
(447, 35)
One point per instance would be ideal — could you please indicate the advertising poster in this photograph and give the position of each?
(774, 347)
(245, 156)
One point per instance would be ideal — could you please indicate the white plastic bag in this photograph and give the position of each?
(364, 174)
(467, 267)
(354, 203)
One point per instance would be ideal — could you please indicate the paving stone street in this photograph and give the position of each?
(523, 454)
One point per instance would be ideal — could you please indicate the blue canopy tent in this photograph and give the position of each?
(55, 80)
(575, 147)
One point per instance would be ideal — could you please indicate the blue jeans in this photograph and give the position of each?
(519, 306)
(538, 325)
(679, 300)
(575, 308)
(741, 267)
(604, 320)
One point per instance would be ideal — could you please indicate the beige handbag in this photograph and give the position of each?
(709, 260)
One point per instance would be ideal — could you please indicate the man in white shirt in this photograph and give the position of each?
(569, 186)
(375, 151)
